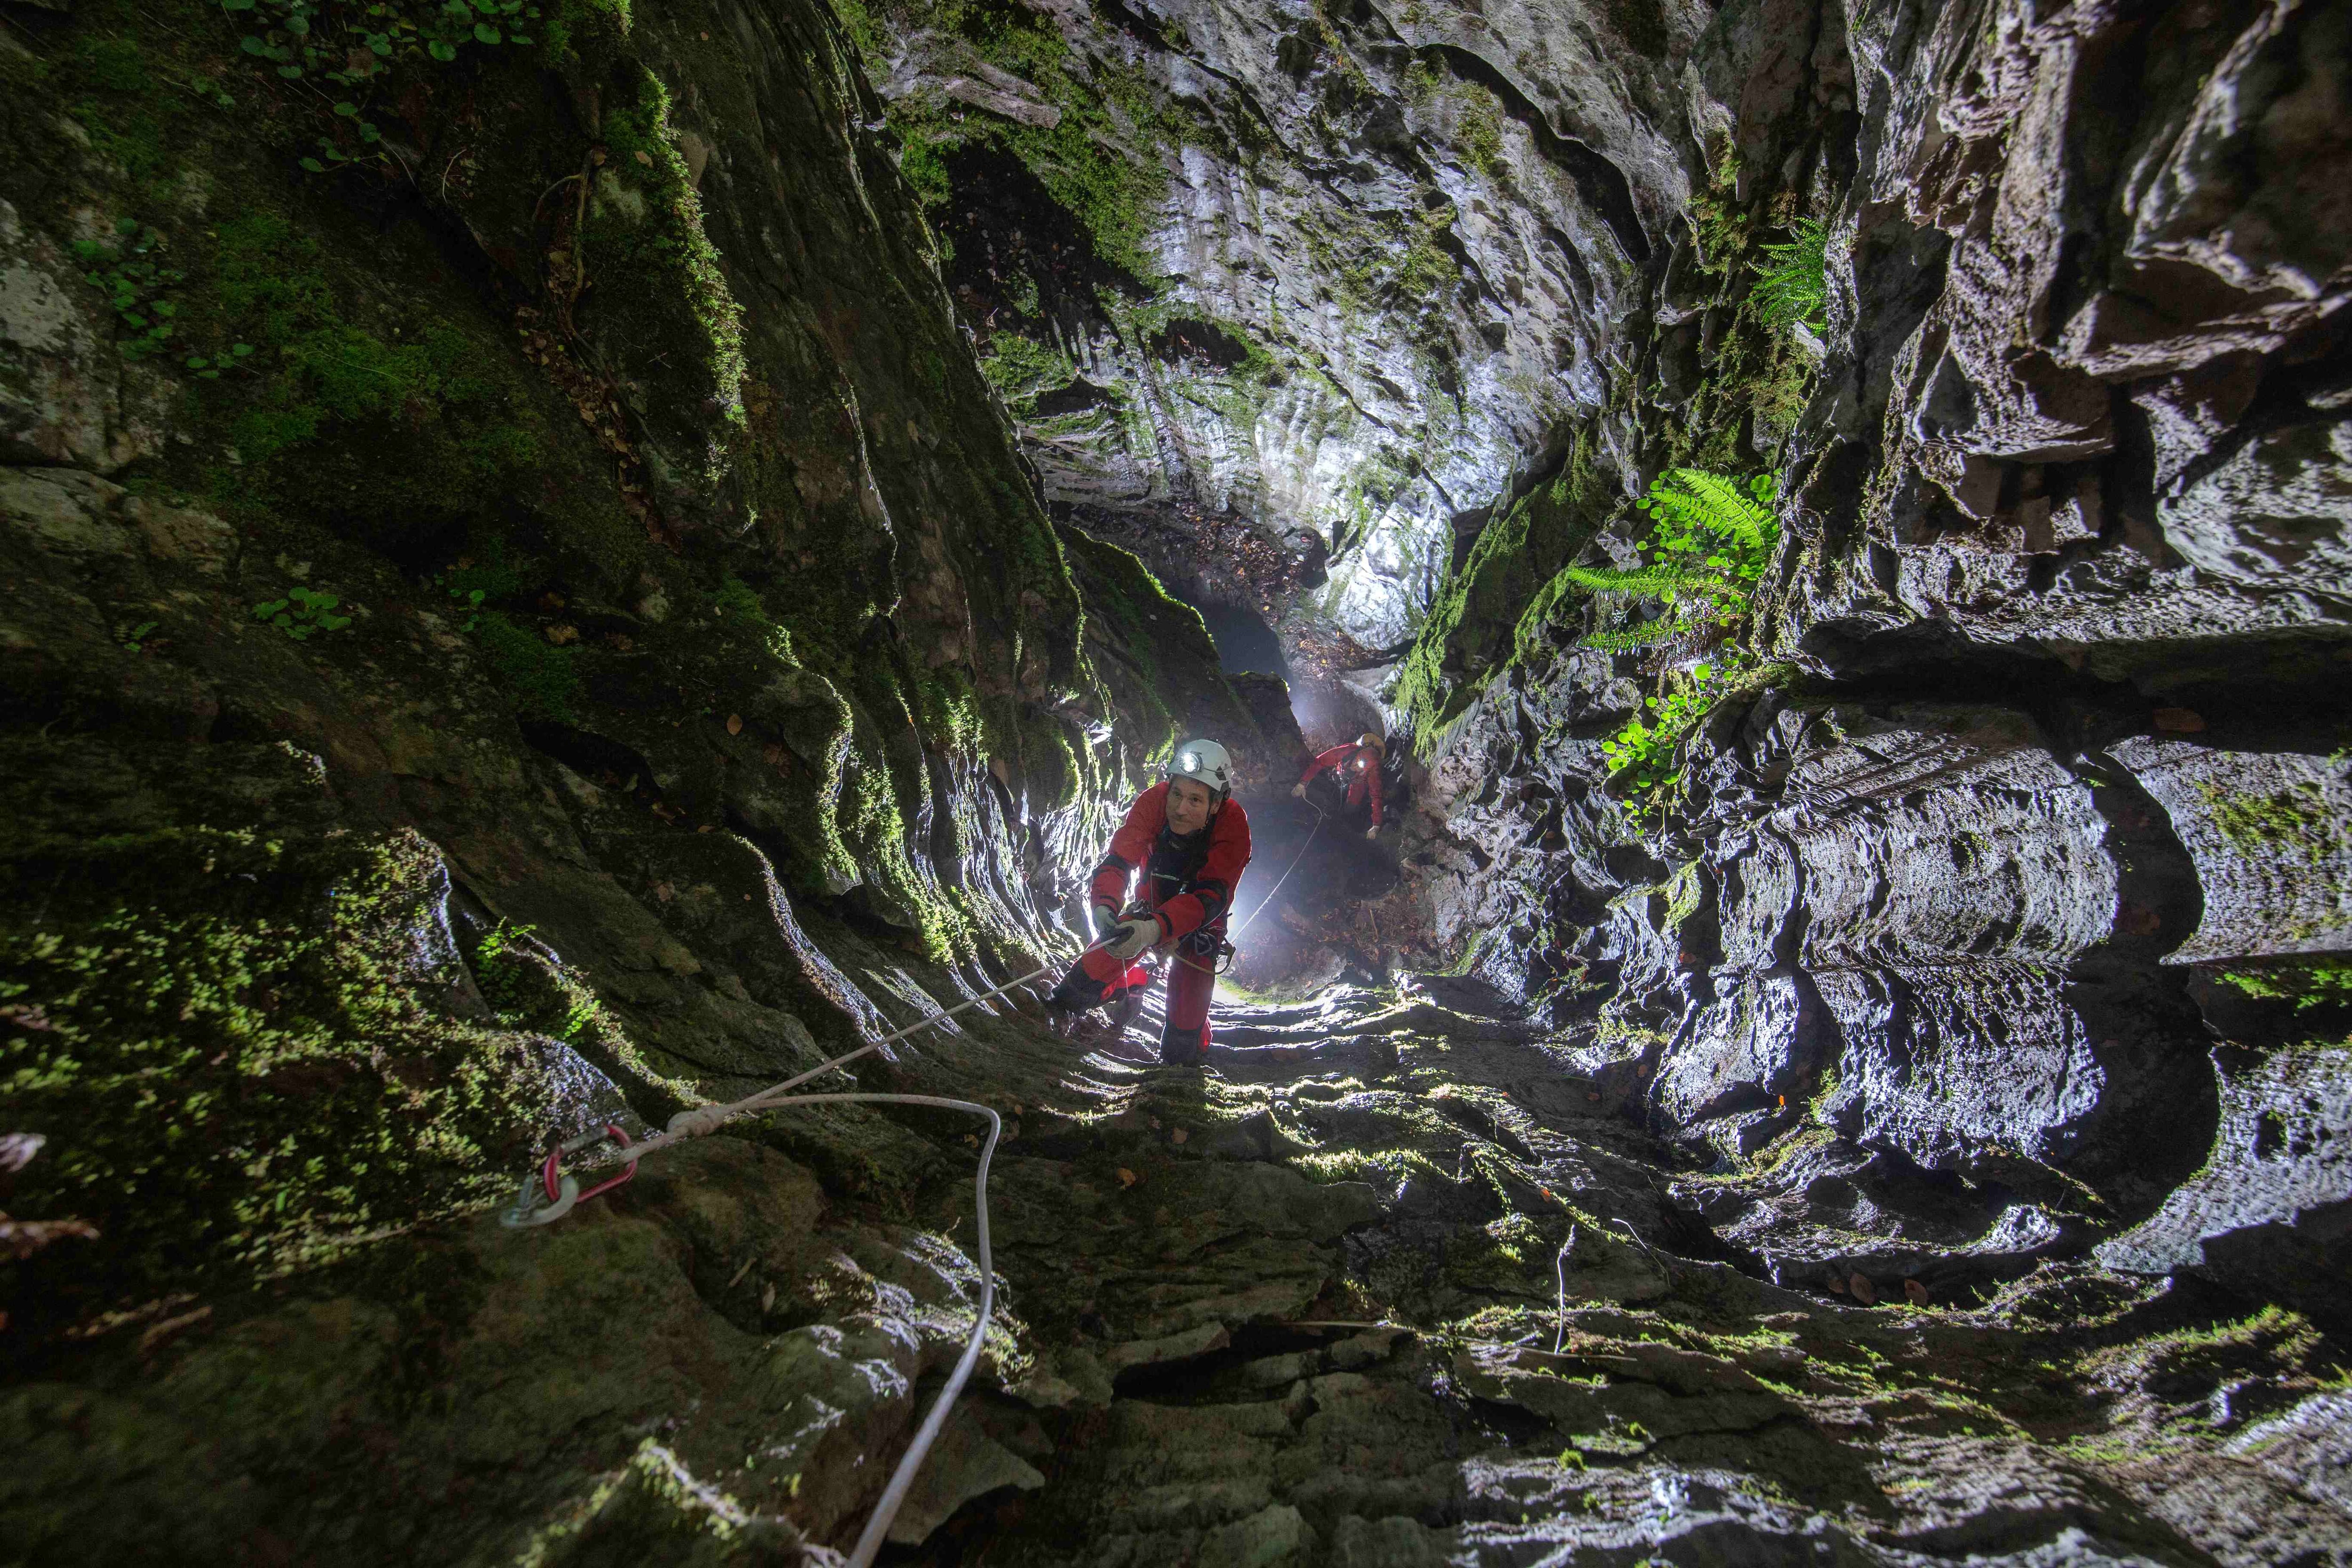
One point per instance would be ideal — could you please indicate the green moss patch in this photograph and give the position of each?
(239, 1052)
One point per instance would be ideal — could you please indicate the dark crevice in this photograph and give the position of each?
(1600, 183)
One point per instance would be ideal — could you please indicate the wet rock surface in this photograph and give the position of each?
(609, 643)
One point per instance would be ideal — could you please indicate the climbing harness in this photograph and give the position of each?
(1225, 951)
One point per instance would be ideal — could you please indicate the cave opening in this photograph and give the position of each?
(1246, 644)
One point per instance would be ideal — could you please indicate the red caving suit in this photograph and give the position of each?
(1188, 884)
(1360, 780)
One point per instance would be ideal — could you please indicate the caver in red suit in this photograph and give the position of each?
(1357, 764)
(1186, 887)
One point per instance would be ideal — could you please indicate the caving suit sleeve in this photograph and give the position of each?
(1130, 847)
(1210, 893)
(1330, 759)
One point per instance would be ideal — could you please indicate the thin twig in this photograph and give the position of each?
(1559, 1269)
(453, 164)
(539, 206)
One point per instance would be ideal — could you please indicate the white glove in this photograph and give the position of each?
(1106, 921)
(1298, 792)
(1131, 938)
(1372, 833)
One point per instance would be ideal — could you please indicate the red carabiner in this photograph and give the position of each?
(551, 1177)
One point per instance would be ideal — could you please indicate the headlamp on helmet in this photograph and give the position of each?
(1204, 763)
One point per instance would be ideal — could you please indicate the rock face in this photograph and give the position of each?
(1921, 950)
(1334, 272)
(2111, 433)
(528, 615)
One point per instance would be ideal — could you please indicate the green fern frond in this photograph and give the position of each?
(1641, 582)
(1794, 286)
(1702, 502)
(1641, 635)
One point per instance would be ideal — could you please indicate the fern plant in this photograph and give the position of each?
(1794, 287)
(1710, 538)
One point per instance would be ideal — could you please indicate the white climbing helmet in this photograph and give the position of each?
(1203, 761)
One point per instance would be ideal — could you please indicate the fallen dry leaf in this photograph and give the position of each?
(560, 634)
(1837, 1286)
(734, 723)
(645, 158)
(1177, 1136)
(768, 1296)
(1917, 1291)
(1127, 1178)
(2179, 720)
(1863, 1291)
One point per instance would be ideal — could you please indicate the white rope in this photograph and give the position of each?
(706, 1118)
(886, 1511)
(1269, 902)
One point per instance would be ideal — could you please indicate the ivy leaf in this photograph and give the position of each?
(197, 361)
(486, 33)
(289, 72)
(315, 166)
(369, 132)
(348, 110)
(240, 349)
(440, 51)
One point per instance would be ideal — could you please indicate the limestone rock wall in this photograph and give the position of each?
(1337, 270)
(1931, 950)
(514, 575)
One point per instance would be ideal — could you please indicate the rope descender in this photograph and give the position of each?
(562, 1189)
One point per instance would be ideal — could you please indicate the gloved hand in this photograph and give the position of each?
(1298, 792)
(1372, 833)
(1105, 917)
(1132, 937)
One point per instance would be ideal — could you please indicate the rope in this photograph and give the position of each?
(1560, 1267)
(869, 1543)
(1267, 903)
(705, 1118)
(1320, 820)
(527, 1210)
